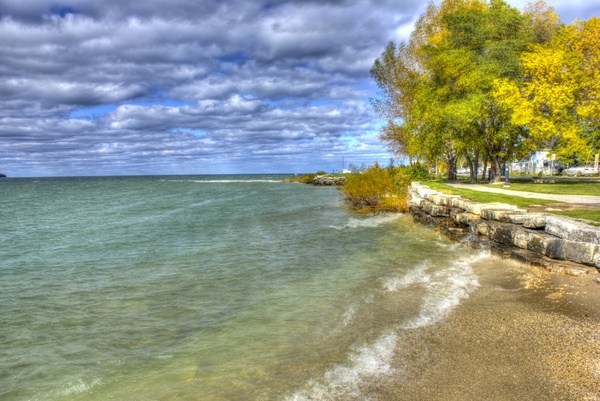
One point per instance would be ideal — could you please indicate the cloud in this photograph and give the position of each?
(179, 86)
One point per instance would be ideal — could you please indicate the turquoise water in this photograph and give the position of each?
(208, 288)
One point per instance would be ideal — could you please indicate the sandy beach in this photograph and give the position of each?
(524, 334)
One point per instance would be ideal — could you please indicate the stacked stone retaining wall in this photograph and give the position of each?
(554, 242)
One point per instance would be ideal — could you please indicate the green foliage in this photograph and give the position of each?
(436, 90)
(405, 175)
(558, 98)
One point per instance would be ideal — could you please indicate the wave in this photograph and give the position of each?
(418, 275)
(78, 387)
(344, 381)
(370, 222)
(445, 289)
(231, 181)
(223, 181)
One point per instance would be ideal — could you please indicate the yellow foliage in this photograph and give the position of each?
(375, 190)
(585, 43)
(560, 95)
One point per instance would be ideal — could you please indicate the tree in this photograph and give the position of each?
(542, 21)
(397, 76)
(473, 44)
(558, 101)
(437, 90)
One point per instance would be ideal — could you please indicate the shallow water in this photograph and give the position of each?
(209, 288)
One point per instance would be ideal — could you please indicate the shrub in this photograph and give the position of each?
(373, 190)
(305, 179)
(382, 190)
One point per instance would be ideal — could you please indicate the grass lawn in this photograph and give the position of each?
(572, 188)
(559, 188)
(485, 197)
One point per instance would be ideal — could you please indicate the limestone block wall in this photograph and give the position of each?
(546, 235)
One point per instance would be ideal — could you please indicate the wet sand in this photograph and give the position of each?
(524, 334)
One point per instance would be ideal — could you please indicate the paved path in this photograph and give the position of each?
(575, 199)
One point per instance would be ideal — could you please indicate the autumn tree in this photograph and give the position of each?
(463, 46)
(558, 99)
(397, 76)
(479, 79)
(542, 21)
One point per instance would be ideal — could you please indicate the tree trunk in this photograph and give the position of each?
(451, 158)
(485, 167)
(496, 171)
(473, 166)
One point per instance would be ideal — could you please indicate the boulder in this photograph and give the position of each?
(502, 233)
(322, 180)
(539, 242)
(535, 221)
(500, 214)
(572, 230)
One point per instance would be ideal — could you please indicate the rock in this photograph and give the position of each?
(502, 234)
(556, 250)
(500, 214)
(473, 207)
(323, 180)
(539, 242)
(447, 200)
(483, 229)
(466, 219)
(575, 272)
(572, 230)
(534, 220)
(521, 239)
(581, 252)
(488, 208)
(545, 239)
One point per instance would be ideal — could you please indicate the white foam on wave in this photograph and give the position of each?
(416, 276)
(445, 289)
(78, 387)
(343, 381)
(231, 181)
(370, 222)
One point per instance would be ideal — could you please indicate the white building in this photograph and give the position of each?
(536, 162)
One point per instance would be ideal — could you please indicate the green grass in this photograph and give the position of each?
(590, 215)
(559, 188)
(485, 197)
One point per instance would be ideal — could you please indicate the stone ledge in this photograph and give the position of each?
(559, 239)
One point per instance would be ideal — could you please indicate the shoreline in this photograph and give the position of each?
(524, 333)
(529, 331)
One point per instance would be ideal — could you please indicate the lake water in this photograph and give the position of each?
(209, 288)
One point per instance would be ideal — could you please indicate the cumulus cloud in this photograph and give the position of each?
(179, 86)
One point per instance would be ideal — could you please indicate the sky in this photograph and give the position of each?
(150, 87)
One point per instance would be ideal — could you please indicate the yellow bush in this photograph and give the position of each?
(376, 190)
